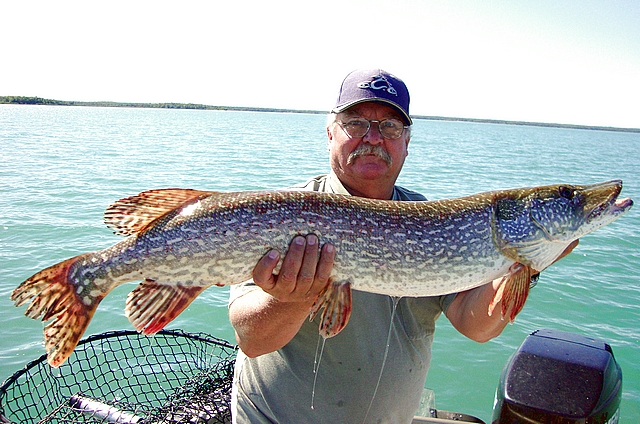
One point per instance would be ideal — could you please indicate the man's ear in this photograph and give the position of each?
(329, 137)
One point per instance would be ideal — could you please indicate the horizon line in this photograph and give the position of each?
(26, 100)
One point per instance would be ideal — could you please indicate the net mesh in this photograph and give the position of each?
(125, 377)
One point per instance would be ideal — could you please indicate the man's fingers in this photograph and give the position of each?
(263, 271)
(291, 265)
(304, 273)
(324, 268)
(307, 270)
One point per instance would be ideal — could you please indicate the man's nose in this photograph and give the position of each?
(373, 136)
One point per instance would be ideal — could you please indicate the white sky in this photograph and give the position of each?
(560, 61)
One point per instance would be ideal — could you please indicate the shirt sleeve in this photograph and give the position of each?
(445, 301)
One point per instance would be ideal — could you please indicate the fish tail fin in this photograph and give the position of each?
(152, 305)
(513, 291)
(336, 301)
(53, 294)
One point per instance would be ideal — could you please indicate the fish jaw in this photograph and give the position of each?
(603, 205)
(534, 226)
(590, 207)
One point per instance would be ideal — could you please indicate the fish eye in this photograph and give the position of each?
(566, 192)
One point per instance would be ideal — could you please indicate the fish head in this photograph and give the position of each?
(534, 226)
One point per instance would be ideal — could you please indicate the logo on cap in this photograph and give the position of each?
(379, 83)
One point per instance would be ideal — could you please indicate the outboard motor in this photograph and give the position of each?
(561, 378)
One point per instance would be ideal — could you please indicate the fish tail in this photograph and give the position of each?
(513, 291)
(336, 301)
(152, 305)
(53, 295)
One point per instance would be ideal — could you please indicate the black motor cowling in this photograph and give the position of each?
(560, 378)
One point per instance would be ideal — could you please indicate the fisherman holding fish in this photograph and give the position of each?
(364, 252)
(283, 372)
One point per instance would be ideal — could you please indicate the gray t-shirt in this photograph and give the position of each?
(279, 387)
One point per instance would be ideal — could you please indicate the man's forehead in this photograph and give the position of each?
(368, 107)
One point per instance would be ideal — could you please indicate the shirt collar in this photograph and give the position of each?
(336, 187)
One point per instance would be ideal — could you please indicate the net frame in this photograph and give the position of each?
(126, 377)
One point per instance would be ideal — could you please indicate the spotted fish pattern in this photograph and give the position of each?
(180, 242)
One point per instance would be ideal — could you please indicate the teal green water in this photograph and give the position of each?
(60, 167)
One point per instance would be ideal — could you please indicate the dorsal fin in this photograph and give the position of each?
(130, 215)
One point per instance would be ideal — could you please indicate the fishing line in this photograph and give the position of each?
(316, 367)
(386, 354)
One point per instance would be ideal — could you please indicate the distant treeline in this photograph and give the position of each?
(23, 100)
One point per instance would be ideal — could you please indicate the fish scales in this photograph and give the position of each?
(383, 246)
(180, 242)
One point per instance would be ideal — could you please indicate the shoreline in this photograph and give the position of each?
(23, 100)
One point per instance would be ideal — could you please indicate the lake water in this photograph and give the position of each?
(60, 167)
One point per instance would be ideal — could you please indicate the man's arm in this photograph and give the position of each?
(468, 312)
(266, 320)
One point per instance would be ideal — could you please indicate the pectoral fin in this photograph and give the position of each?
(513, 291)
(336, 301)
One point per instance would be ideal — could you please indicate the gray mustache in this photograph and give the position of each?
(368, 149)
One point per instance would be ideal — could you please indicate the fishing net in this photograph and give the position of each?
(125, 377)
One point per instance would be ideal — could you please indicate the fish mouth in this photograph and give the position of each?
(602, 199)
(621, 205)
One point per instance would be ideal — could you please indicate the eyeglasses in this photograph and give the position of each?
(390, 129)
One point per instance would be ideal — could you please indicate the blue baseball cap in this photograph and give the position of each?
(374, 85)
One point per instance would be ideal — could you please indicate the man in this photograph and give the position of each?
(284, 373)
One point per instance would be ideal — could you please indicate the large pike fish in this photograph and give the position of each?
(179, 242)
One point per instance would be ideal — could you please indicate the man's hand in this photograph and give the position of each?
(304, 273)
(266, 320)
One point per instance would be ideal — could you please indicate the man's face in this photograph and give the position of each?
(372, 159)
